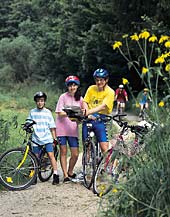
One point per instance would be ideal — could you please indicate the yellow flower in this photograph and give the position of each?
(125, 81)
(114, 190)
(161, 104)
(137, 105)
(160, 60)
(165, 55)
(144, 34)
(117, 44)
(167, 44)
(167, 67)
(153, 38)
(163, 38)
(134, 37)
(144, 70)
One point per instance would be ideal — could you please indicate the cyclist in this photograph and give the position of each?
(145, 98)
(44, 131)
(121, 97)
(98, 101)
(67, 130)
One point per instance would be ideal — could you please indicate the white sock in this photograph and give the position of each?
(55, 172)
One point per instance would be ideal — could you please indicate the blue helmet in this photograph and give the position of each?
(101, 73)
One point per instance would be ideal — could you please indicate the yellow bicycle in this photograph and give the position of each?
(19, 167)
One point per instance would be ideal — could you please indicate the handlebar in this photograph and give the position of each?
(28, 125)
(124, 124)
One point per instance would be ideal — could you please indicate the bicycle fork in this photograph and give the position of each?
(24, 157)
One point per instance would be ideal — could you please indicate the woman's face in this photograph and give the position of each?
(72, 88)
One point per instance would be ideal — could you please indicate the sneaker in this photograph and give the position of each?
(66, 180)
(80, 176)
(55, 179)
(72, 176)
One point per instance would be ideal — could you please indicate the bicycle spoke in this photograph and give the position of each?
(12, 177)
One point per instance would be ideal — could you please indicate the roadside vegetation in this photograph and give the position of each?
(147, 190)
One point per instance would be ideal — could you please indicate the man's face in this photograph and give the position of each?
(101, 83)
(40, 103)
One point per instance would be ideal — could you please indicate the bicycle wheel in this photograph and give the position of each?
(14, 178)
(107, 173)
(89, 164)
(45, 172)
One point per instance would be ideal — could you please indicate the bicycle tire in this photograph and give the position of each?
(18, 179)
(107, 173)
(89, 164)
(45, 172)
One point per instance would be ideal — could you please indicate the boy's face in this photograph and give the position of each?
(101, 83)
(40, 103)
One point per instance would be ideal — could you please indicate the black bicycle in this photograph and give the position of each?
(19, 167)
(91, 147)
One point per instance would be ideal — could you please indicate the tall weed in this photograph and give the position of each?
(146, 193)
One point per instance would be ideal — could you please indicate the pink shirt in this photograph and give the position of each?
(64, 126)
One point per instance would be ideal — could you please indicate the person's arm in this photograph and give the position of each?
(59, 107)
(93, 110)
(62, 114)
(53, 133)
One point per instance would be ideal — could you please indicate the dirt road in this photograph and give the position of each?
(44, 199)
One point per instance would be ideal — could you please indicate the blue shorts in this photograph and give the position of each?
(72, 141)
(99, 128)
(49, 148)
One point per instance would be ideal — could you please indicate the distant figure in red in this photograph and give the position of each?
(121, 98)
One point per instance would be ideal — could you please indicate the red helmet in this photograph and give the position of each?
(72, 79)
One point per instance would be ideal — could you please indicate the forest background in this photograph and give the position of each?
(47, 40)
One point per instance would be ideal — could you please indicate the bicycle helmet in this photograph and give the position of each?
(39, 95)
(72, 79)
(121, 86)
(101, 73)
(145, 89)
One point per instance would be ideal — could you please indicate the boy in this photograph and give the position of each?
(44, 131)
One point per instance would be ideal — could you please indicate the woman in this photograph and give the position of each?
(67, 130)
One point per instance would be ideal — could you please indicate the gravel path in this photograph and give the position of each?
(64, 200)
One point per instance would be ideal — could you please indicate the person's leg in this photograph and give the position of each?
(122, 105)
(101, 135)
(63, 155)
(54, 166)
(117, 107)
(104, 146)
(53, 161)
(74, 148)
(146, 105)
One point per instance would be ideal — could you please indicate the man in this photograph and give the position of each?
(121, 97)
(98, 101)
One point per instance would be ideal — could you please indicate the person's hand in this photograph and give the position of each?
(84, 111)
(55, 142)
(92, 117)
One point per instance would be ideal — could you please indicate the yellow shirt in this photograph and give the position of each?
(94, 98)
